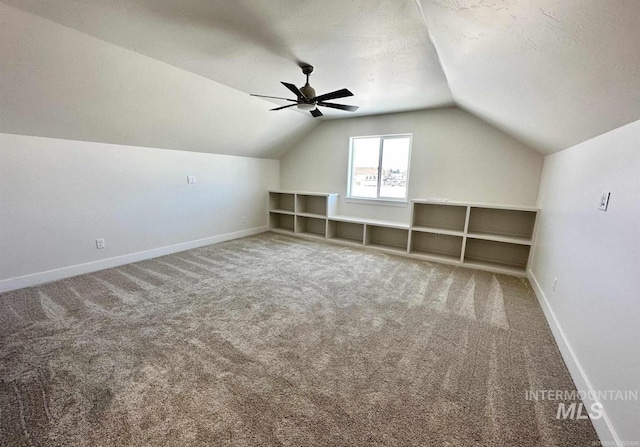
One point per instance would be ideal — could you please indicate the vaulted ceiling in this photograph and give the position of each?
(551, 73)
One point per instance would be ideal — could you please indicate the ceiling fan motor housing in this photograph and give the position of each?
(308, 91)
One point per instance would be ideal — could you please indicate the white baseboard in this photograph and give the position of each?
(603, 427)
(35, 279)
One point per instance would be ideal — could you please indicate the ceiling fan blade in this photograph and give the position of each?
(339, 106)
(272, 97)
(296, 91)
(334, 95)
(316, 113)
(284, 107)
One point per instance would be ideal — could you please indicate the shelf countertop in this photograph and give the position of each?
(374, 222)
(306, 193)
(477, 205)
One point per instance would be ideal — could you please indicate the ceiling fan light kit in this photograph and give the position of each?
(307, 99)
(304, 106)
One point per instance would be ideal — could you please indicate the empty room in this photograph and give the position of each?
(332, 223)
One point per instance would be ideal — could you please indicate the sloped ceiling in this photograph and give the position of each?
(380, 50)
(59, 83)
(551, 73)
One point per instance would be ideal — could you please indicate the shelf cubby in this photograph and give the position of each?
(436, 246)
(502, 225)
(350, 232)
(311, 226)
(281, 222)
(311, 204)
(437, 217)
(281, 201)
(498, 255)
(394, 239)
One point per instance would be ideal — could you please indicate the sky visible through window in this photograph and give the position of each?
(368, 178)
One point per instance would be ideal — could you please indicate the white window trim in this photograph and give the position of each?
(390, 201)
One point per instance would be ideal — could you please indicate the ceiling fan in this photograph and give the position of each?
(307, 99)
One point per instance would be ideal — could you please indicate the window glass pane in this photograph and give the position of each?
(395, 164)
(364, 167)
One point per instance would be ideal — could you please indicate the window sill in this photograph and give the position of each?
(385, 202)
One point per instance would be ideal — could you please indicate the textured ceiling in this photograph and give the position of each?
(380, 50)
(551, 73)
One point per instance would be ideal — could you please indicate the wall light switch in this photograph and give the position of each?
(191, 179)
(100, 243)
(604, 201)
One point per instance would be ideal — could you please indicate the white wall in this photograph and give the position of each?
(596, 257)
(58, 196)
(454, 155)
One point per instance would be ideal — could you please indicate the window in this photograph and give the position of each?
(379, 167)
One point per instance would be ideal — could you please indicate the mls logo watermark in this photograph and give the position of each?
(570, 402)
(577, 411)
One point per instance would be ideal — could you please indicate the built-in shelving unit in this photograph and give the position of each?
(301, 213)
(496, 238)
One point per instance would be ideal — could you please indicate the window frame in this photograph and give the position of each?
(394, 201)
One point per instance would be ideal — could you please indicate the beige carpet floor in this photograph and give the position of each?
(276, 341)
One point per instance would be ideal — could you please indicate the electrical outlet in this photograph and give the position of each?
(244, 219)
(100, 243)
(555, 283)
(604, 201)
(191, 179)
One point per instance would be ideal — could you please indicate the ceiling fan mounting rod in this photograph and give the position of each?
(307, 70)
(306, 100)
